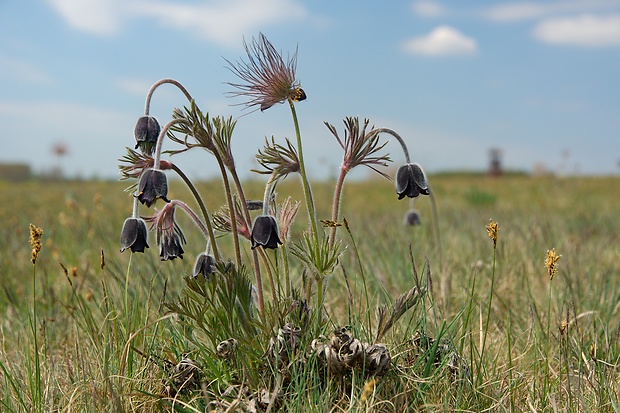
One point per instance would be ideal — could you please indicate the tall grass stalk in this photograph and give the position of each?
(35, 379)
(485, 332)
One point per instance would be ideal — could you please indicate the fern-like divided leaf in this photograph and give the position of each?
(317, 256)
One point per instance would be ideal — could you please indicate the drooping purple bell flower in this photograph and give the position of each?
(134, 235)
(411, 181)
(146, 133)
(153, 185)
(265, 232)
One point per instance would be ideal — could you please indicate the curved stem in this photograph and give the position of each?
(398, 138)
(231, 207)
(336, 206)
(192, 215)
(160, 140)
(304, 179)
(157, 84)
(202, 207)
(268, 190)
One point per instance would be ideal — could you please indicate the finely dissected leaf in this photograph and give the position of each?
(196, 125)
(317, 256)
(277, 158)
(221, 307)
(360, 147)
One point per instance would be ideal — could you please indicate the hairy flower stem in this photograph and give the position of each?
(147, 106)
(268, 191)
(285, 268)
(192, 215)
(205, 213)
(231, 207)
(398, 138)
(274, 292)
(160, 141)
(136, 205)
(319, 300)
(304, 179)
(336, 207)
(248, 221)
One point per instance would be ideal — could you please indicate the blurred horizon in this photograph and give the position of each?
(535, 80)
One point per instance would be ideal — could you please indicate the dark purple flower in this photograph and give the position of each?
(146, 133)
(168, 234)
(134, 235)
(412, 218)
(265, 232)
(170, 246)
(204, 266)
(411, 181)
(153, 185)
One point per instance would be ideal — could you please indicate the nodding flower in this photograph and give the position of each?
(169, 236)
(265, 232)
(204, 266)
(134, 235)
(267, 78)
(411, 181)
(146, 133)
(153, 185)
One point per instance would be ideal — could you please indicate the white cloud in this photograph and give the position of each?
(220, 21)
(442, 41)
(428, 8)
(224, 22)
(585, 30)
(102, 17)
(23, 71)
(511, 12)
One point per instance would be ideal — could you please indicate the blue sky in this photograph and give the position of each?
(538, 80)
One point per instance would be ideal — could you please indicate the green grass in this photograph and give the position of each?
(88, 338)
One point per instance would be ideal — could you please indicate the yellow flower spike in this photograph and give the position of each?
(35, 241)
(492, 230)
(551, 261)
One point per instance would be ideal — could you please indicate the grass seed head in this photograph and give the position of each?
(551, 262)
(492, 230)
(35, 241)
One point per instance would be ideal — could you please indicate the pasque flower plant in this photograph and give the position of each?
(236, 283)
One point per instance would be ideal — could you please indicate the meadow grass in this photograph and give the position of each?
(87, 328)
